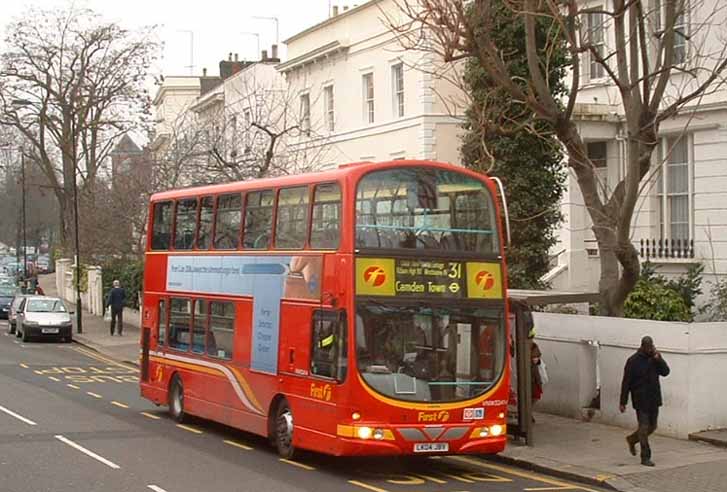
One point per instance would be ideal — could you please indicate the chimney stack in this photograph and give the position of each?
(264, 55)
(274, 51)
(335, 10)
(345, 8)
(236, 57)
(204, 72)
(229, 57)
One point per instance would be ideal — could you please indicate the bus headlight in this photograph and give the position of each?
(496, 430)
(378, 434)
(484, 432)
(363, 432)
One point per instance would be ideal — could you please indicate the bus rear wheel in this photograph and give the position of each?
(176, 399)
(284, 430)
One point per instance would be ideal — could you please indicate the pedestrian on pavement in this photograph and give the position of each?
(116, 301)
(535, 361)
(641, 379)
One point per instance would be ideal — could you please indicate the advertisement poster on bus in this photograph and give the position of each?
(267, 279)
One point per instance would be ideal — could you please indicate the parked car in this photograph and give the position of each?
(7, 292)
(43, 317)
(13, 313)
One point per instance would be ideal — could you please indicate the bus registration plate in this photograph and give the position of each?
(431, 447)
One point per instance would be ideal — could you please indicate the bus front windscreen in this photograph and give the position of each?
(425, 208)
(429, 352)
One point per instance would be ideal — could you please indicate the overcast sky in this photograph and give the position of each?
(218, 25)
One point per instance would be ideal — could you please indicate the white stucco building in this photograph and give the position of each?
(366, 98)
(682, 211)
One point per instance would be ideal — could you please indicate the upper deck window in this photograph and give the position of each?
(292, 218)
(258, 220)
(186, 223)
(326, 223)
(162, 226)
(229, 219)
(425, 208)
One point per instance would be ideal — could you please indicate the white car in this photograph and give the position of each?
(43, 317)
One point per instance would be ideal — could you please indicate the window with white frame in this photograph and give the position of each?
(329, 108)
(305, 113)
(674, 189)
(233, 136)
(596, 38)
(247, 121)
(368, 96)
(681, 27)
(397, 86)
(597, 153)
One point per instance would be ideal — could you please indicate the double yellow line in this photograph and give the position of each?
(96, 356)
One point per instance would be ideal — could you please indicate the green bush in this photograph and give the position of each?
(656, 300)
(130, 272)
(717, 308)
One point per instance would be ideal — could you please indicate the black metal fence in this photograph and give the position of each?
(667, 248)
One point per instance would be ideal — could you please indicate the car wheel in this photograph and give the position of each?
(176, 399)
(284, 430)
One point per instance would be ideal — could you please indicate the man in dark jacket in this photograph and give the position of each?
(116, 301)
(641, 379)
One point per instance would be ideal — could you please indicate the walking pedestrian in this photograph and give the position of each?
(116, 301)
(641, 379)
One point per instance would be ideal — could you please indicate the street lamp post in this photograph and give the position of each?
(22, 188)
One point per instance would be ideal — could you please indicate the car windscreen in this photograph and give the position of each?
(45, 306)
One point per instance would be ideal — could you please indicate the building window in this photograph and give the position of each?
(674, 189)
(598, 156)
(247, 119)
(596, 38)
(329, 108)
(681, 28)
(397, 81)
(220, 336)
(368, 97)
(305, 114)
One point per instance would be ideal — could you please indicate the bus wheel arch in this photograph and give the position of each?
(175, 398)
(280, 426)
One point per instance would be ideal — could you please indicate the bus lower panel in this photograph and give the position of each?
(357, 447)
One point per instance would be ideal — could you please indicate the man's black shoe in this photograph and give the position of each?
(647, 463)
(632, 447)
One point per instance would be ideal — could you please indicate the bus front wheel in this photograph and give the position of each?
(176, 399)
(284, 430)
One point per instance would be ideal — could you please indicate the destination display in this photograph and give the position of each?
(417, 277)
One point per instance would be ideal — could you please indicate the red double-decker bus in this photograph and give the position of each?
(358, 311)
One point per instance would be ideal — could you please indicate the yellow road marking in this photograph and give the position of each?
(517, 473)
(101, 358)
(151, 415)
(533, 489)
(95, 395)
(23, 365)
(119, 404)
(299, 465)
(460, 479)
(190, 429)
(238, 445)
(73, 386)
(431, 479)
(37, 372)
(53, 378)
(366, 486)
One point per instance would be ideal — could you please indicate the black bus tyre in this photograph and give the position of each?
(284, 430)
(176, 399)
